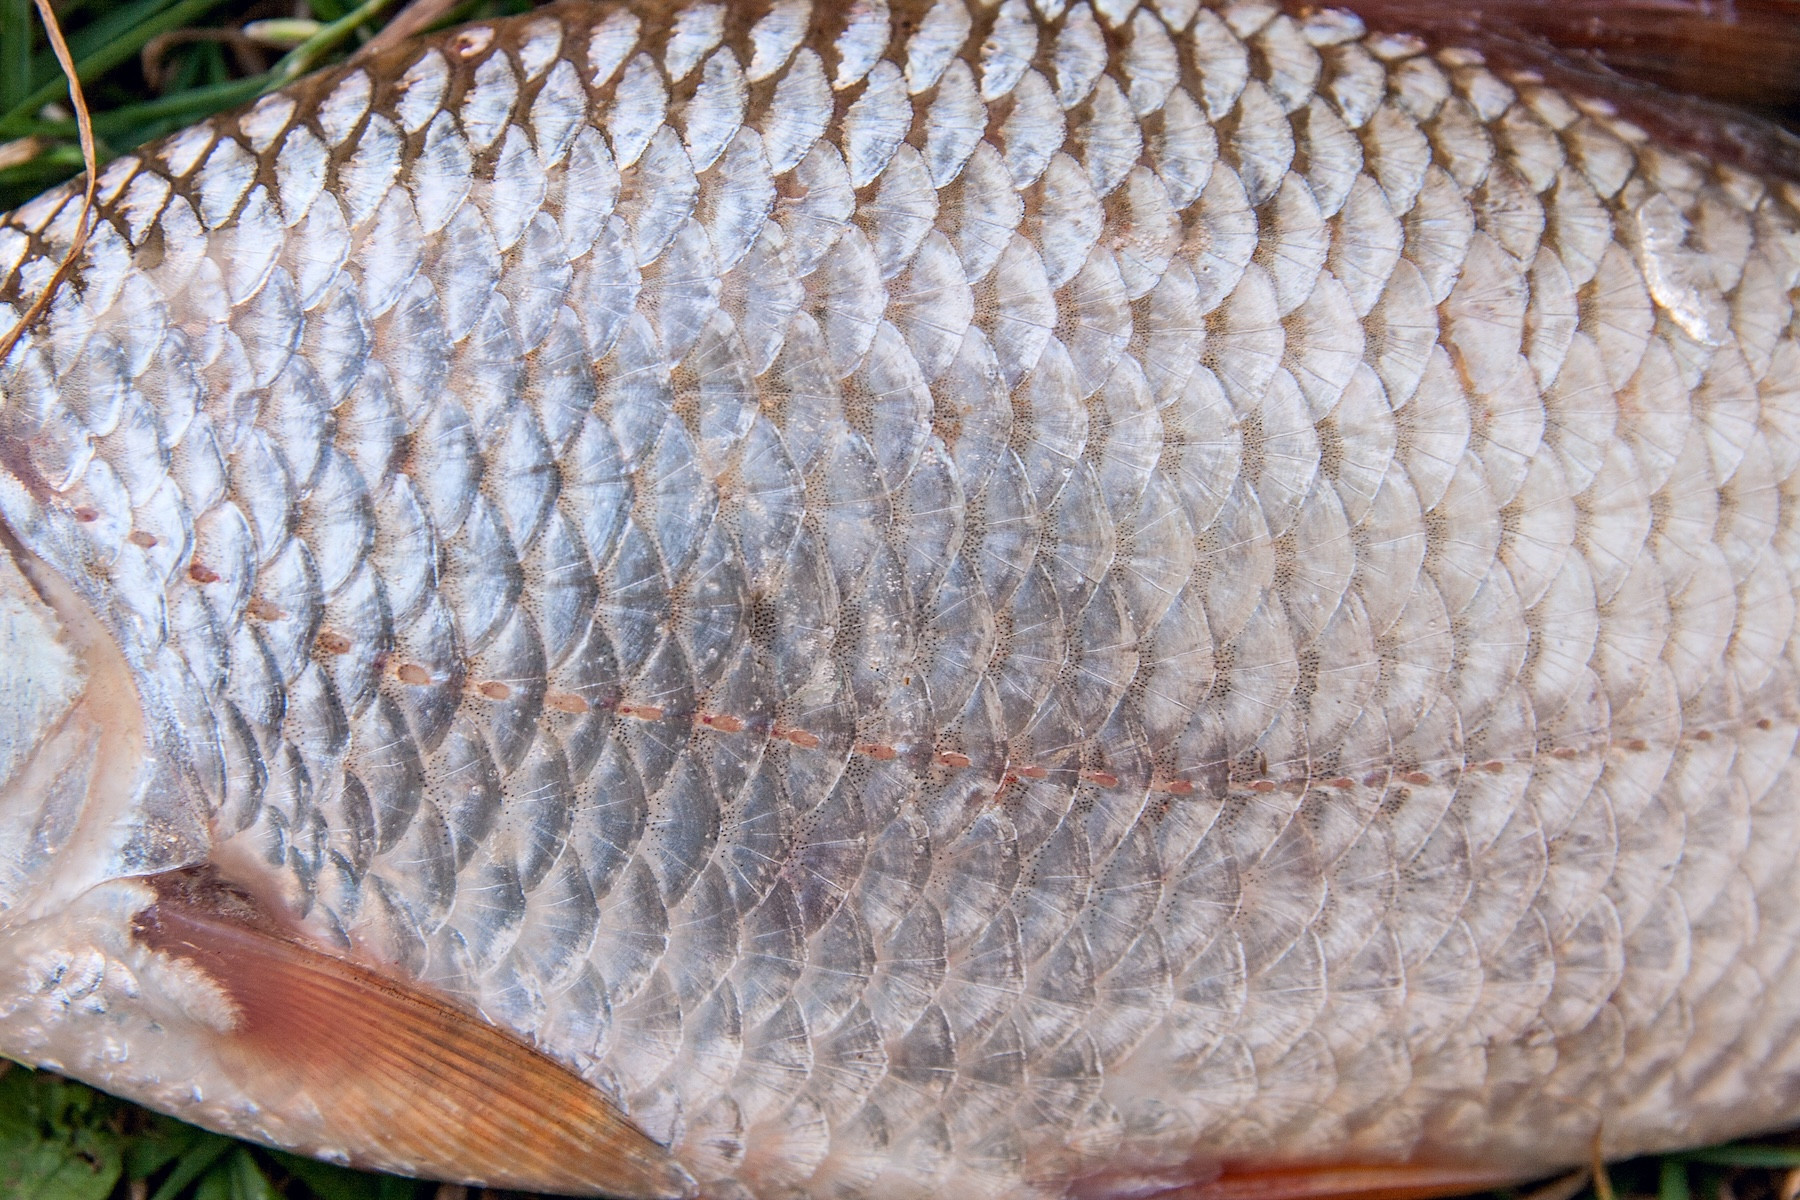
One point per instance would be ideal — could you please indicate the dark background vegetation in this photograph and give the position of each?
(150, 67)
(60, 1140)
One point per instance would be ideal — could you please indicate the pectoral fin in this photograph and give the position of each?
(397, 1078)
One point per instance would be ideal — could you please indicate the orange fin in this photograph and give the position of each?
(1720, 78)
(390, 1075)
(1341, 1181)
(1737, 51)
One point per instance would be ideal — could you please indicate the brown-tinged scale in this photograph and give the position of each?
(972, 599)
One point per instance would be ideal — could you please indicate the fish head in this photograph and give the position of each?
(71, 743)
(85, 797)
(140, 956)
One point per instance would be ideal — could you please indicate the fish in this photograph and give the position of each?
(1026, 599)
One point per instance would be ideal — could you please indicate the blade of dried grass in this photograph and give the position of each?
(1603, 1188)
(107, 56)
(90, 158)
(1566, 1188)
(415, 18)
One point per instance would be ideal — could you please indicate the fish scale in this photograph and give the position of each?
(964, 596)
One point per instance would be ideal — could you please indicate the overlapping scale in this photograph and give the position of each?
(925, 592)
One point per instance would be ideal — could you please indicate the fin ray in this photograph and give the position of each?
(1350, 1181)
(1738, 51)
(398, 1076)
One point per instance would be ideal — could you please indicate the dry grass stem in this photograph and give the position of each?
(415, 18)
(1566, 1187)
(20, 150)
(1603, 1189)
(244, 49)
(90, 158)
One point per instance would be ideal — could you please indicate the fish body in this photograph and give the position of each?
(946, 599)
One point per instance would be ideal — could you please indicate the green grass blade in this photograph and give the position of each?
(206, 1150)
(196, 102)
(1673, 1181)
(1777, 1158)
(392, 1187)
(15, 51)
(247, 1179)
(154, 1148)
(307, 54)
(26, 180)
(215, 1184)
(328, 1182)
(17, 118)
(91, 39)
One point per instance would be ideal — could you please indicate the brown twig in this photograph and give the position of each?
(19, 151)
(1565, 1188)
(90, 158)
(250, 59)
(415, 18)
(1603, 1188)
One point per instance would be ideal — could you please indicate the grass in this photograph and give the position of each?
(60, 1140)
(150, 67)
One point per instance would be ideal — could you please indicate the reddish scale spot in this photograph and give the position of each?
(878, 752)
(262, 610)
(1375, 779)
(951, 758)
(1565, 753)
(1416, 778)
(1705, 735)
(1765, 724)
(414, 674)
(566, 702)
(471, 42)
(1174, 787)
(334, 643)
(85, 513)
(1034, 773)
(1342, 783)
(1103, 779)
(202, 574)
(1637, 744)
(643, 712)
(721, 722)
(494, 690)
(798, 737)
(1263, 785)
(141, 539)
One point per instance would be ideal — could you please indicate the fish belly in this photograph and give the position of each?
(952, 598)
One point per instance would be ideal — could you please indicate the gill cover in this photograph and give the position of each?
(71, 738)
(179, 991)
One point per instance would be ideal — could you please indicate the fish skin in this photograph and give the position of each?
(951, 600)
